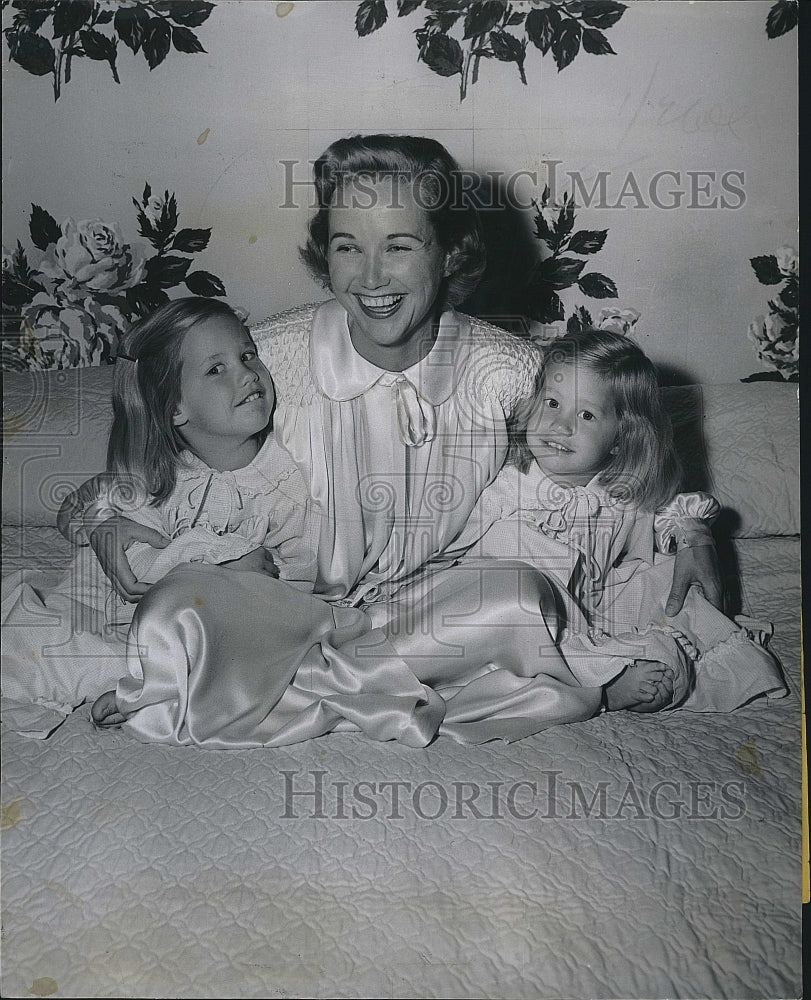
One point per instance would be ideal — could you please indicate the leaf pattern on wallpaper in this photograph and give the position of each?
(92, 29)
(562, 27)
(782, 18)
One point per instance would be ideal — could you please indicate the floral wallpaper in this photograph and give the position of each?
(93, 277)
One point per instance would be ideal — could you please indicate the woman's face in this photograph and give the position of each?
(386, 269)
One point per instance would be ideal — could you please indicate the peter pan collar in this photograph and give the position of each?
(550, 494)
(342, 374)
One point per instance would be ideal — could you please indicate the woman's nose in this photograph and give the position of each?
(373, 271)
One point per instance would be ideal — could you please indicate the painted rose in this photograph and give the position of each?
(776, 343)
(550, 214)
(55, 335)
(93, 255)
(619, 320)
(153, 208)
(788, 260)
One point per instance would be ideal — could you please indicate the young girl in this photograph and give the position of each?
(194, 461)
(581, 500)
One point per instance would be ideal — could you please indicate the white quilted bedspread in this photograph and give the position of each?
(133, 870)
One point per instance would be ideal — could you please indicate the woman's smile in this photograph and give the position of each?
(380, 306)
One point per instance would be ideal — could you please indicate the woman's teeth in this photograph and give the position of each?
(380, 305)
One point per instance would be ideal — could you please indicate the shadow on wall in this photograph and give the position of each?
(502, 296)
(685, 407)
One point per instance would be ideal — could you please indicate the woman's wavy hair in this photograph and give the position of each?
(144, 445)
(440, 184)
(644, 468)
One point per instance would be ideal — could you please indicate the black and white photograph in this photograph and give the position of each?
(401, 583)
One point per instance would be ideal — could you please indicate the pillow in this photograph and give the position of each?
(741, 442)
(55, 428)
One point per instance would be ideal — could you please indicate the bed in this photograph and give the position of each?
(627, 856)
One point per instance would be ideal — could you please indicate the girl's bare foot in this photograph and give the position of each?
(105, 712)
(644, 686)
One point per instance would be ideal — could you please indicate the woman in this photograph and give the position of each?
(397, 409)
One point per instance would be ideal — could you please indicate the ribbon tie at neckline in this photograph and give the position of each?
(416, 418)
(220, 499)
(569, 507)
(572, 513)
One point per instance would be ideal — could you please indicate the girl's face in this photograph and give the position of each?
(573, 429)
(225, 390)
(386, 269)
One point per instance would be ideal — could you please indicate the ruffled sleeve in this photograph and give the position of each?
(685, 522)
(198, 545)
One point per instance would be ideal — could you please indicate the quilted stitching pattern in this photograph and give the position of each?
(147, 871)
(284, 342)
(742, 444)
(134, 870)
(55, 427)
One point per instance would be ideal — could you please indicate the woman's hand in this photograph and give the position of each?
(109, 540)
(258, 560)
(69, 518)
(698, 564)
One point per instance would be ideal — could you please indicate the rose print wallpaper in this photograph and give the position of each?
(678, 162)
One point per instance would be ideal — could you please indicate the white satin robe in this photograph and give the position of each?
(396, 643)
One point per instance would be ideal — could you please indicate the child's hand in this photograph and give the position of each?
(258, 560)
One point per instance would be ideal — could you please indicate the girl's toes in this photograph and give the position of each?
(104, 711)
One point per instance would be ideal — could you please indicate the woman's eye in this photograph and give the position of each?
(346, 248)
(399, 246)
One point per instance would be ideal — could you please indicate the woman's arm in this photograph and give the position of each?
(85, 518)
(70, 518)
(109, 541)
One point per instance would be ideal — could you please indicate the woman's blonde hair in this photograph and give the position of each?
(643, 467)
(144, 444)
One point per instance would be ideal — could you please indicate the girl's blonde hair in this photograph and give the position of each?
(144, 445)
(643, 468)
